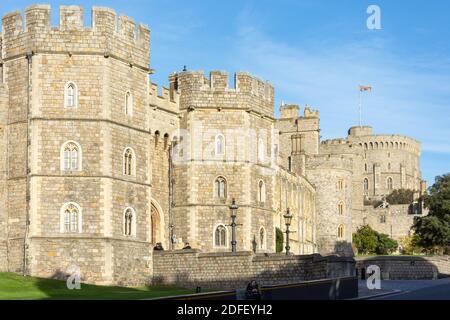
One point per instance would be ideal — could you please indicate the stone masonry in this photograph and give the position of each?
(98, 164)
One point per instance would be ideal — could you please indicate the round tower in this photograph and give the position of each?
(331, 175)
(389, 162)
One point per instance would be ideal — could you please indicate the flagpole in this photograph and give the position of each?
(360, 108)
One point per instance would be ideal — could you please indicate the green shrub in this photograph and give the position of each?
(386, 245)
(279, 240)
(368, 241)
(400, 196)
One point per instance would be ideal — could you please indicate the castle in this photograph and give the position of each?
(98, 164)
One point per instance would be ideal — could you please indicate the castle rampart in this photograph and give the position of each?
(249, 92)
(107, 36)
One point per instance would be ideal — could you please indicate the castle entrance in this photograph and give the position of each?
(155, 220)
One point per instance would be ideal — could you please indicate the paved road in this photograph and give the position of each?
(418, 290)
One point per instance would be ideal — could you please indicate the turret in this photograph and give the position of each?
(103, 37)
(248, 93)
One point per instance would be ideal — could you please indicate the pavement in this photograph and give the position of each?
(407, 290)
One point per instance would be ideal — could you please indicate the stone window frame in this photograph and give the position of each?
(226, 245)
(66, 95)
(216, 190)
(128, 103)
(389, 183)
(132, 173)
(79, 218)
(79, 157)
(341, 232)
(216, 145)
(261, 191)
(132, 232)
(341, 208)
(366, 186)
(340, 184)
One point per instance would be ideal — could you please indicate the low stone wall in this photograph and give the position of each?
(407, 267)
(191, 268)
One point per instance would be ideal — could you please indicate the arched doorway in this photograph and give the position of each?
(155, 220)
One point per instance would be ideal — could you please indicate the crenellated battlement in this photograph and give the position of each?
(333, 142)
(166, 98)
(308, 113)
(330, 162)
(248, 92)
(108, 33)
(218, 81)
(388, 142)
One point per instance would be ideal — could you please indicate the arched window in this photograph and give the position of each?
(71, 156)
(340, 184)
(262, 238)
(129, 162)
(129, 222)
(128, 104)
(71, 221)
(366, 186)
(340, 232)
(261, 192)
(220, 186)
(220, 145)
(389, 183)
(220, 236)
(366, 167)
(389, 166)
(70, 95)
(341, 208)
(289, 163)
(382, 219)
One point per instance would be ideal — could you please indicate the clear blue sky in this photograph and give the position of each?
(315, 52)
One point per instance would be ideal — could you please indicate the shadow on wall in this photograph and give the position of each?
(405, 267)
(230, 273)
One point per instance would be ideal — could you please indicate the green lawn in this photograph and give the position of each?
(17, 287)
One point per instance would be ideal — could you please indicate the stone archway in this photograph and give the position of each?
(155, 225)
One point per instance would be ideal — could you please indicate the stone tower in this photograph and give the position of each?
(73, 103)
(226, 139)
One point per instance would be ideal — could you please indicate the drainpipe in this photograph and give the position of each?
(171, 182)
(29, 57)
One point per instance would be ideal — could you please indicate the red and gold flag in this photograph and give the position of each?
(365, 88)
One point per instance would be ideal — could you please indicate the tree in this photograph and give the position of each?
(386, 245)
(409, 245)
(279, 240)
(433, 231)
(365, 240)
(369, 241)
(400, 196)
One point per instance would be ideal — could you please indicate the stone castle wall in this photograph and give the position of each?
(230, 271)
(395, 221)
(407, 267)
(3, 175)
